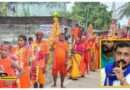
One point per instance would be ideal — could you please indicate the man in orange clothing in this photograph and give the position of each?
(60, 59)
(40, 53)
(75, 32)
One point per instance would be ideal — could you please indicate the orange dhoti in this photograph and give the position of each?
(97, 57)
(23, 55)
(59, 64)
(82, 66)
(93, 60)
(60, 58)
(41, 74)
(59, 68)
(41, 78)
(87, 58)
(24, 80)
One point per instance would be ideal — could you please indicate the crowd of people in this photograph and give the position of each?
(25, 65)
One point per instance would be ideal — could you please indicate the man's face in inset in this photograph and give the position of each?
(123, 53)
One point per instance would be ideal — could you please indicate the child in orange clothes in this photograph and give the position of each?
(8, 67)
(23, 55)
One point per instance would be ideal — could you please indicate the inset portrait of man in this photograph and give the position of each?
(117, 73)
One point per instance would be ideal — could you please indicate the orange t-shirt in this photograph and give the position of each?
(42, 46)
(75, 32)
(60, 49)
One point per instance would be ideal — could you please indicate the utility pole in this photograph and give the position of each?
(87, 16)
(114, 12)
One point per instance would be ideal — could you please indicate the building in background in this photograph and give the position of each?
(27, 18)
(35, 8)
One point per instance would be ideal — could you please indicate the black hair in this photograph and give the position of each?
(77, 25)
(30, 39)
(106, 49)
(65, 28)
(122, 44)
(23, 37)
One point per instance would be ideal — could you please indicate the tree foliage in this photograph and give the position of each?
(91, 12)
(125, 10)
(3, 8)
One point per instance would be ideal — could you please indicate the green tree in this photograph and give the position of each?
(3, 8)
(124, 10)
(91, 12)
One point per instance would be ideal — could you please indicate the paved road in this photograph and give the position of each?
(89, 81)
